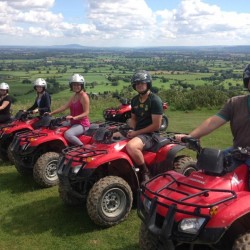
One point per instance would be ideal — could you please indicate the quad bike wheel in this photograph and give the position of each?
(45, 169)
(22, 170)
(109, 201)
(10, 155)
(66, 197)
(147, 241)
(242, 242)
(184, 165)
(164, 123)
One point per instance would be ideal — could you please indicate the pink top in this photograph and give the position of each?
(76, 109)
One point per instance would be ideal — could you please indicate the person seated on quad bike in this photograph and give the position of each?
(146, 116)
(79, 110)
(5, 103)
(42, 102)
(236, 111)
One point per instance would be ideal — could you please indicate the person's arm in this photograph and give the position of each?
(205, 128)
(61, 109)
(154, 126)
(4, 105)
(34, 106)
(208, 126)
(132, 121)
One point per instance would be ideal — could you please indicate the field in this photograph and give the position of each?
(33, 218)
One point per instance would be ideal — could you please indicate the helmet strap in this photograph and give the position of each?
(144, 92)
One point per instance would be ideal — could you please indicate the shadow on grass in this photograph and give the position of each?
(16, 183)
(47, 215)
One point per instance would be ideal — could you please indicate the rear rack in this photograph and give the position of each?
(187, 196)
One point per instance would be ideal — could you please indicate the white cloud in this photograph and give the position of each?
(21, 4)
(124, 23)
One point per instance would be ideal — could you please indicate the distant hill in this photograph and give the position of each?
(69, 46)
(78, 47)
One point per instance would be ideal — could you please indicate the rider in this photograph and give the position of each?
(146, 116)
(43, 100)
(79, 110)
(5, 102)
(237, 112)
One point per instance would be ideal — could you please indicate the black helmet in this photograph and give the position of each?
(246, 76)
(141, 76)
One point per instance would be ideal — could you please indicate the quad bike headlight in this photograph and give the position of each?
(76, 169)
(191, 225)
(147, 204)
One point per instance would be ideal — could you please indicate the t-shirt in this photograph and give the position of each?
(6, 111)
(143, 111)
(237, 111)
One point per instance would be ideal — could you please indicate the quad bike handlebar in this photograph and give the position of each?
(215, 160)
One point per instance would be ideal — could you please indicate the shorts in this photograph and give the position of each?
(149, 140)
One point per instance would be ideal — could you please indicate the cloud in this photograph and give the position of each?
(125, 23)
(22, 4)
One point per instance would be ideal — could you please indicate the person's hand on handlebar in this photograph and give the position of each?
(178, 137)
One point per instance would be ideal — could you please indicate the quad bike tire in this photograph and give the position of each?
(242, 242)
(22, 170)
(109, 201)
(185, 165)
(148, 241)
(164, 123)
(10, 155)
(45, 170)
(67, 198)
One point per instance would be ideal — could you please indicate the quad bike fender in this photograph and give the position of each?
(124, 109)
(234, 210)
(21, 126)
(49, 138)
(9, 134)
(166, 156)
(108, 158)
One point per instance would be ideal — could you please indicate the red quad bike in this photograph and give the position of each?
(37, 152)
(123, 113)
(104, 175)
(209, 209)
(23, 121)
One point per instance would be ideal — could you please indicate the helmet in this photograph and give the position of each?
(77, 78)
(246, 76)
(141, 76)
(40, 82)
(4, 86)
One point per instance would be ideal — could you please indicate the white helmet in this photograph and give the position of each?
(77, 78)
(40, 82)
(4, 86)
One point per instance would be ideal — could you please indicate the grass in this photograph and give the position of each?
(34, 218)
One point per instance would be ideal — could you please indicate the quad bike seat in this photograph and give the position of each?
(211, 161)
(92, 129)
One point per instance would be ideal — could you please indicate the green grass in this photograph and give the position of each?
(34, 218)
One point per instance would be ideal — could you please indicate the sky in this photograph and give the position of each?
(124, 23)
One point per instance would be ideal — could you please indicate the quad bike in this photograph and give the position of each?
(104, 175)
(123, 113)
(209, 209)
(23, 121)
(37, 152)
